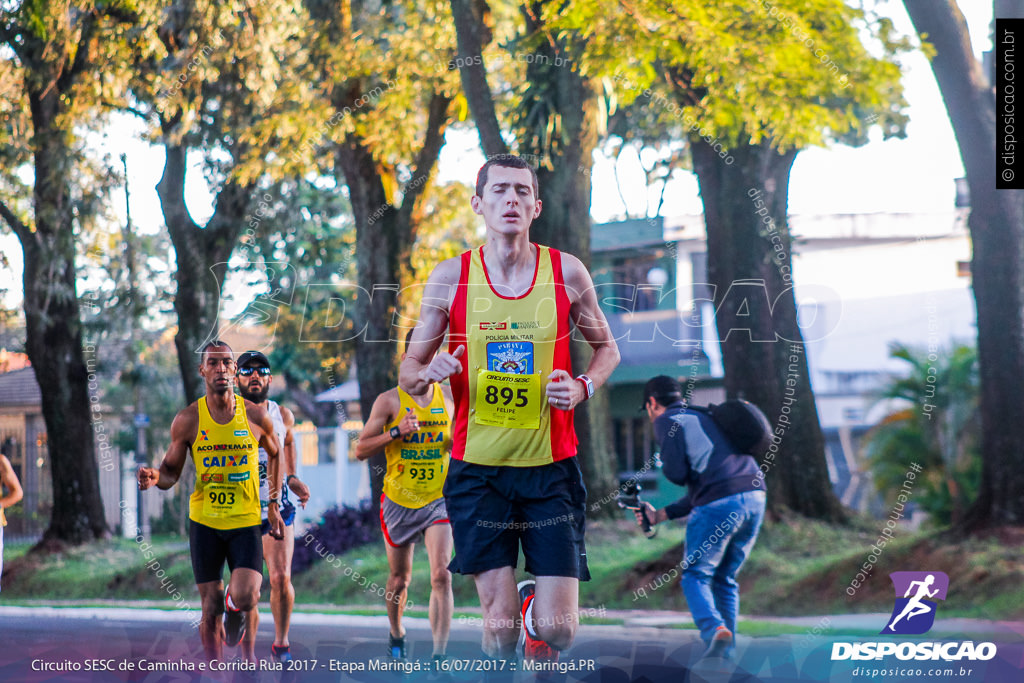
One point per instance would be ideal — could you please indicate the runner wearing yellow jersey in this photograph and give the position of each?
(507, 308)
(8, 480)
(223, 431)
(415, 433)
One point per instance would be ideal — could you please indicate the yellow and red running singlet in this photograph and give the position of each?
(227, 494)
(418, 462)
(502, 416)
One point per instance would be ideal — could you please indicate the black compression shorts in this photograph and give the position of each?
(211, 547)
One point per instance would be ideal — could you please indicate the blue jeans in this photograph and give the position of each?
(719, 537)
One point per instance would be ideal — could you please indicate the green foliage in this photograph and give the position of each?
(168, 522)
(15, 132)
(299, 253)
(12, 324)
(792, 71)
(300, 247)
(448, 226)
(47, 45)
(935, 423)
(371, 72)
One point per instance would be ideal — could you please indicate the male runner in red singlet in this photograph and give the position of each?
(514, 479)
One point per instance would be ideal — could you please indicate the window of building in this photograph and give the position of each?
(642, 279)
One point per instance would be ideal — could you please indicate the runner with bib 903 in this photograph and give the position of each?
(223, 431)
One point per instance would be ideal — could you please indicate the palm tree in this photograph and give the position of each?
(935, 423)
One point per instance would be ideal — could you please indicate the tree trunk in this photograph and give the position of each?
(762, 345)
(383, 244)
(377, 249)
(202, 255)
(52, 319)
(564, 222)
(472, 34)
(997, 270)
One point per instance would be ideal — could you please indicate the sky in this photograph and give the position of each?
(915, 174)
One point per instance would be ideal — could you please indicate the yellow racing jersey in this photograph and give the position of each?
(513, 344)
(226, 456)
(418, 462)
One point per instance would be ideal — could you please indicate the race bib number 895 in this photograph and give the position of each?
(508, 400)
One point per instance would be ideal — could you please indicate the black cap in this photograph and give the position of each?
(253, 358)
(663, 388)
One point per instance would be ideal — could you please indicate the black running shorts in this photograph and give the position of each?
(495, 509)
(211, 547)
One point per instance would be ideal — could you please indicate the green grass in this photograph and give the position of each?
(797, 568)
(802, 568)
(13, 551)
(112, 569)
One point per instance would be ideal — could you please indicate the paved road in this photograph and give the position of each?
(154, 646)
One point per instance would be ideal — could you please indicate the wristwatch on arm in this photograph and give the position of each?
(588, 386)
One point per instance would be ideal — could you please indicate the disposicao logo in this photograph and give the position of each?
(913, 613)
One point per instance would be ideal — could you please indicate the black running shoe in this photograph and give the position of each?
(396, 647)
(280, 654)
(234, 624)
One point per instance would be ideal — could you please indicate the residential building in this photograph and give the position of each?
(862, 282)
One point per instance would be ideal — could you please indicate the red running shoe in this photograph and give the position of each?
(533, 648)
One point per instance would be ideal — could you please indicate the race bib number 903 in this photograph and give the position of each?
(220, 500)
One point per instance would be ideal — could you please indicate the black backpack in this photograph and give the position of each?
(743, 424)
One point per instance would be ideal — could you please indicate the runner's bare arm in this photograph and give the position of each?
(183, 431)
(589, 319)
(449, 402)
(292, 481)
(423, 364)
(10, 481)
(373, 438)
(449, 406)
(259, 417)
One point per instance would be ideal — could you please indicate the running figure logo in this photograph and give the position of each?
(914, 612)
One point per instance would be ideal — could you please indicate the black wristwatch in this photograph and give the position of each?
(395, 433)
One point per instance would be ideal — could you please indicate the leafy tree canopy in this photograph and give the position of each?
(799, 73)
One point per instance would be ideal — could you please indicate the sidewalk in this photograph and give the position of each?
(156, 610)
(828, 623)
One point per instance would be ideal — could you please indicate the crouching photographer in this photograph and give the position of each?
(706, 450)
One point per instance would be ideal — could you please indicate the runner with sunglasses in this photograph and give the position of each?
(254, 378)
